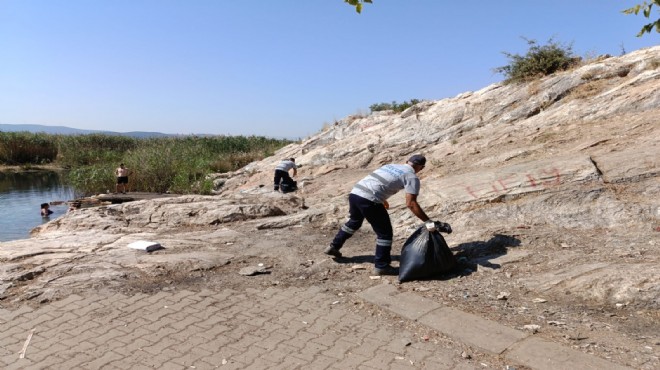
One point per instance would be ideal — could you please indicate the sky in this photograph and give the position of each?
(276, 68)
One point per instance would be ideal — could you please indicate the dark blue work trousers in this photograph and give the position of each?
(377, 216)
(281, 176)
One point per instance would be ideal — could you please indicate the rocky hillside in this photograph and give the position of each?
(552, 189)
(567, 165)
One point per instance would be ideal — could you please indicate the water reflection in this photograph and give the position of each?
(21, 195)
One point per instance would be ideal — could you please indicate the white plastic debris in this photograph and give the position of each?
(144, 245)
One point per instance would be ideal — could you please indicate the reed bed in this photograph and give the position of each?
(177, 164)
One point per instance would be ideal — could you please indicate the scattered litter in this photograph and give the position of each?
(358, 267)
(466, 355)
(145, 245)
(503, 296)
(224, 361)
(556, 323)
(532, 327)
(374, 277)
(27, 342)
(335, 302)
(539, 300)
(399, 358)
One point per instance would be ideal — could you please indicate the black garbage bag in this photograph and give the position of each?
(425, 254)
(288, 185)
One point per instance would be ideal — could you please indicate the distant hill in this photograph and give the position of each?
(63, 130)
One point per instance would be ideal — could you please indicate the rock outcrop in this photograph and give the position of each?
(569, 163)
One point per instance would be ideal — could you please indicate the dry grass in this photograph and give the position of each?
(587, 90)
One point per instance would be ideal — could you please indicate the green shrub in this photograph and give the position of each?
(540, 60)
(394, 106)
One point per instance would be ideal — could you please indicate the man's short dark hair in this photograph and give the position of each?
(418, 159)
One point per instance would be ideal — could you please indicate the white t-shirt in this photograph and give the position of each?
(387, 181)
(286, 165)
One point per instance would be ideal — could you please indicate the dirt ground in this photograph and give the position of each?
(293, 257)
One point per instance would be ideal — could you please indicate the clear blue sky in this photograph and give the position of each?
(279, 68)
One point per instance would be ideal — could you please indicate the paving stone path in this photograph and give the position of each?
(273, 328)
(270, 328)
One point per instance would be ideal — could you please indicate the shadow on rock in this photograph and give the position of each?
(356, 259)
(481, 252)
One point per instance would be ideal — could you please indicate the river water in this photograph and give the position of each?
(21, 195)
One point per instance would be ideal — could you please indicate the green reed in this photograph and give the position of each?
(178, 164)
(21, 148)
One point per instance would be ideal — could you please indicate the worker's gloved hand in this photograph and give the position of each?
(443, 227)
(430, 226)
(386, 205)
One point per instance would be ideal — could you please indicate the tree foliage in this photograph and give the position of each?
(646, 7)
(540, 60)
(357, 4)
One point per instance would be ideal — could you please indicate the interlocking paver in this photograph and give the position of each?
(75, 361)
(23, 363)
(108, 336)
(310, 351)
(269, 328)
(106, 358)
(289, 363)
(350, 361)
(259, 364)
(191, 356)
(545, 355)
(402, 365)
(160, 346)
